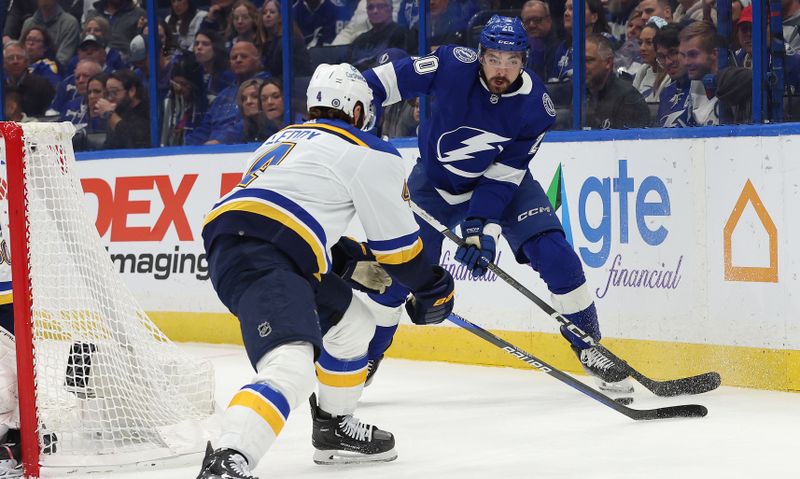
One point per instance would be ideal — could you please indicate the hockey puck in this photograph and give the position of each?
(624, 401)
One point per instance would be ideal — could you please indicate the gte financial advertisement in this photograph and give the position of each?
(635, 211)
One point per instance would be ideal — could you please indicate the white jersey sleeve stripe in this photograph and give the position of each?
(388, 78)
(501, 172)
(399, 256)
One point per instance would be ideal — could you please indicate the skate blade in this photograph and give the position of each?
(333, 456)
(621, 392)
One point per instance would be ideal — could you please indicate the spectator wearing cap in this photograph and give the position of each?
(36, 91)
(184, 22)
(90, 48)
(39, 47)
(62, 27)
(209, 51)
(744, 33)
(542, 37)
(272, 53)
(123, 17)
(96, 31)
(126, 112)
(185, 103)
(383, 34)
(141, 65)
(222, 122)
(76, 110)
(611, 103)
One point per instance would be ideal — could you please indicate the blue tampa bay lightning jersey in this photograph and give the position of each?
(476, 146)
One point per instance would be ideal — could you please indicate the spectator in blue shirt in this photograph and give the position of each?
(39, 46)
(76, 110)
(222, 123)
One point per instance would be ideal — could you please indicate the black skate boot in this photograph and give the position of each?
(346, 440)
(610, 372)
(372, 368)
(224, 464)
(10, 454)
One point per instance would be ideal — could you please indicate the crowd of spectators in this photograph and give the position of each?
(648, 62)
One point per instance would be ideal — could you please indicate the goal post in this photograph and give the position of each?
(100, 387)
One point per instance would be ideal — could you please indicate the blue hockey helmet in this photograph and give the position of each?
(504, 33)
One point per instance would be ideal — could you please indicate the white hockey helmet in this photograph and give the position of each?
(340, 87)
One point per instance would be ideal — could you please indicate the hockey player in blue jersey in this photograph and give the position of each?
(488, 117)
(270, 244)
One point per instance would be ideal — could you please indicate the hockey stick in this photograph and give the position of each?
(674, 387)
(686, 410)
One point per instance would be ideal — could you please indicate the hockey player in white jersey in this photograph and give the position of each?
(269, 251)
(10, 458)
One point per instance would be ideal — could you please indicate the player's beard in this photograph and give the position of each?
(498, 84)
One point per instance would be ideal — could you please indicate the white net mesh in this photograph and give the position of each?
(110, 387)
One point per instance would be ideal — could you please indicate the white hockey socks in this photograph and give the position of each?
(258, 412)
(342, 365)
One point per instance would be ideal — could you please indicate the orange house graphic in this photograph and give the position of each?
(758, 274)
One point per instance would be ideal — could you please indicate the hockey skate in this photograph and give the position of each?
(10, 453)
(612, 378)
(224, 464)
(346, 440)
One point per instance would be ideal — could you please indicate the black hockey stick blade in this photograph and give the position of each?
(702, 383)
(689, 410)
(669, 412)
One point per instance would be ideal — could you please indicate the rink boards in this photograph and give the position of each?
(686, 243)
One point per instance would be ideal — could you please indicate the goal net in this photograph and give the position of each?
(102, 387)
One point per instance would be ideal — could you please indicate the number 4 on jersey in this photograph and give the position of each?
(273, 156)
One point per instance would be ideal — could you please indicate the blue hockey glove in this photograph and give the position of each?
(481, 241)
(433, 305)
(355, 263)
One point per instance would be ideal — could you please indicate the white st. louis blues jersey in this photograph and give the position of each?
(304, 186)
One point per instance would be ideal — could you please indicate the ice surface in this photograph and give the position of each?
(456, 421)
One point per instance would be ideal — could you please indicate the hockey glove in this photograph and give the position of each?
(480, 238)
(433, 305)
(355, 263)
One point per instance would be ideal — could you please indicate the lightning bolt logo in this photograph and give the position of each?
(465, 143)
